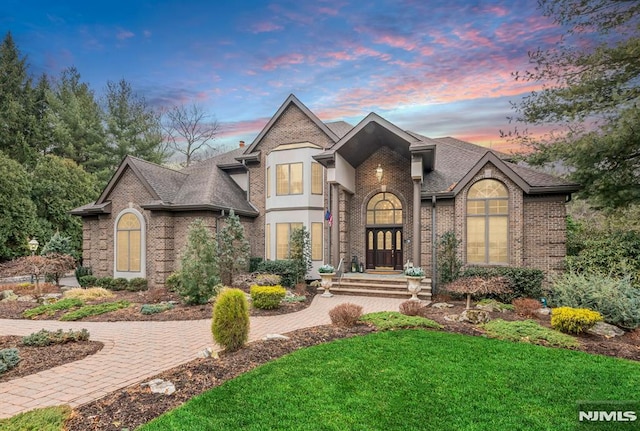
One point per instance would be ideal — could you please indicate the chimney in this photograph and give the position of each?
(241, 144)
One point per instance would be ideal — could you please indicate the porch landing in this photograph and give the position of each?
(390, 284)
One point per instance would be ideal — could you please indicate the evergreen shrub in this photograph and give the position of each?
(230, 324)
(267, 297)
(574, 320)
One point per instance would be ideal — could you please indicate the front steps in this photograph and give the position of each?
(385, 286)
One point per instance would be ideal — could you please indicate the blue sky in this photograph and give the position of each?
(440, 68)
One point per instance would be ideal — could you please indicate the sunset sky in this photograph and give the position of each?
(439, 68)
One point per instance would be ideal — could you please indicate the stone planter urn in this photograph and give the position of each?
(414, 276)
(326, 283)
(414, 285)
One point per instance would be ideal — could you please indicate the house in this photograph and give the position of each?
(373, 190)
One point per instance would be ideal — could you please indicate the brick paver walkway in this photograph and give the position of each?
(135, 351)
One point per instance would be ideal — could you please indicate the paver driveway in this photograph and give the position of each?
(135, 351)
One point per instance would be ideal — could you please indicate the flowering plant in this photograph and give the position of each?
(326, 269)
(414, 271)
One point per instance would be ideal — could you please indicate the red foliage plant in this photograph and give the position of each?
(478, 286)
(38, 266)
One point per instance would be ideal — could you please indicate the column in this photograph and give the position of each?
(417, 186)
(335, 229)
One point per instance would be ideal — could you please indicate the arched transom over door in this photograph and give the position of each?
(384, 232)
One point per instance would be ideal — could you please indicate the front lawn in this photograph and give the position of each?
(412, 380)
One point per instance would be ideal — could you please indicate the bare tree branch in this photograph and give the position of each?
(188, 129)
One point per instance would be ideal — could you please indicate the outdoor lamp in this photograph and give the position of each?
(379, 173)
(33, 245)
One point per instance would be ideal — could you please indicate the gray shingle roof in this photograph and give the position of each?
(340, 128)
(164, 181)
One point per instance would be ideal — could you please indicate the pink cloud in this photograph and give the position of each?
(396, 42)
(265, 27)
(283, 61)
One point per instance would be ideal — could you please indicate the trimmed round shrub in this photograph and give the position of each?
(411, 308)
(345, 315)
(137, 284)
(120, 283)
(106, 283)
(574, 320)
(173, 282)
(88, 280)
(230, 325)
(267, 297)
(526, 307)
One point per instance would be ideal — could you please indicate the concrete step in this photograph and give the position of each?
(386, 287)
(426, 295)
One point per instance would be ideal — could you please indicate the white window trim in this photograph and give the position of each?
(143, 246)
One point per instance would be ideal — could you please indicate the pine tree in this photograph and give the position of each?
(233, 249)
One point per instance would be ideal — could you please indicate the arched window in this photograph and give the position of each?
(384, 208)
(487, 223)
(129, 245)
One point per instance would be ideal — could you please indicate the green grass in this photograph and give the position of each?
(386, 320)
(49, 419)
(528, 331)
(93, 310)
(50, 309)
(412, 380)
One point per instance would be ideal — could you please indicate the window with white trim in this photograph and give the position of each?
(488, 223)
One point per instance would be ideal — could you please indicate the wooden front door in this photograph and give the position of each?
(384, 248)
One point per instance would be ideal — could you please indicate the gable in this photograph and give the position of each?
(292, 123)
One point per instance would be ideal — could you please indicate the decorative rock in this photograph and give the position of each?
(441, 305)
(491, 308)
(275, 337)
(475, 316)
(26, 298)
(208, 353)
(543, 311)
(159, 386)
(8, 295)
(452, 317)
(49, 298)
(606, 330)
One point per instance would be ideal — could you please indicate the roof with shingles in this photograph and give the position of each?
(164, 181)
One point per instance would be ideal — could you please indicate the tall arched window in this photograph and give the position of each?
(384, 208)
(129, 245)
(487, 223)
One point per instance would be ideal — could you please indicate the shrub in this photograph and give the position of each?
(389, 320)
(94, 310)
(155, 308)
(82, 271)
(300, 252)
(527, 331)
(120, 283)
(268, 280)
(267, 297)
(89, 294)
(137, 284)
(233, 249)
(523, 282)
(9, 358)
(50, 309)
(412, 308)
(616, 299)
(105, 283)
(449, 265)
(199, 265)
(173, 283)
(45, 338)
(526, 307)
(574, 320)
(496, 305)
(286, 269)
(345, 315)
(478, 286)
(230, 325)
(254, 262)
(88, 280)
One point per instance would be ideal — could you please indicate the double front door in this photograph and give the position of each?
(384, 248)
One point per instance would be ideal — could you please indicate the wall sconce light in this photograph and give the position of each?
(379, 173)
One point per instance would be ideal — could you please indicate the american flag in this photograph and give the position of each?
(329, 218)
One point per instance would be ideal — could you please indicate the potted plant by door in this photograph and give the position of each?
(327, 272)
(414, 276)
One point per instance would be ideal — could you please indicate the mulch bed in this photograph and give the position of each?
(134, 405)
(36, 359)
